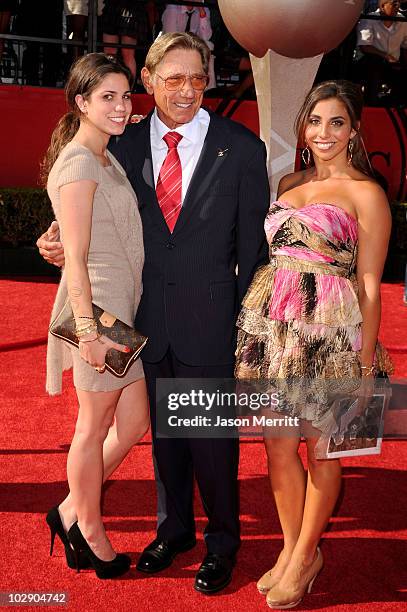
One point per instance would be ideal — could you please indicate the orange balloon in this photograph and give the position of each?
(294, 28)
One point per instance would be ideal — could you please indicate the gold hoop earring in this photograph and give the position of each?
(306, 156)
(350, 152)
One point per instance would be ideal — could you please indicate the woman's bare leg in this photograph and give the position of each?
(323, 486)
(130, 424)
(287, 479)
(85, 466)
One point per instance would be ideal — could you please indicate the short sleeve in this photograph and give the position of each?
(77, 165)
(365, 33)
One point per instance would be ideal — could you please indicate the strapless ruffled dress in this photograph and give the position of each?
(300, 324)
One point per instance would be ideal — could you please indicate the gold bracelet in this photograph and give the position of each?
(90, 330)
(84, 331)
(85, 325)
(89, 341)
(368, 370)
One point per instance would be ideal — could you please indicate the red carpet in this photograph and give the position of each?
(364, 548)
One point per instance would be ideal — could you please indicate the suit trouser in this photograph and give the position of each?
(214, 461)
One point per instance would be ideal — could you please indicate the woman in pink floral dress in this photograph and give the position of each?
(312, 315)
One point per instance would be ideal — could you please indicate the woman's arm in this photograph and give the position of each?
(374, 225)
(76, 219)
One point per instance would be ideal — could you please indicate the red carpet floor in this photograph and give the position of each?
(364, 547)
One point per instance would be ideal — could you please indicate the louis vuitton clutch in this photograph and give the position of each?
(118, 363)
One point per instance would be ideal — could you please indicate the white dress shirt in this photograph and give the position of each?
(389, 40)
(189, 149)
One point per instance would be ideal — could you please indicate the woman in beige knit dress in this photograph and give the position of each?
(96, 209)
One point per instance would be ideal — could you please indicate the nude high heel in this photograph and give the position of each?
(280, 599)
(266, 582)
(270, 578)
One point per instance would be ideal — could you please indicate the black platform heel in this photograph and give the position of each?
(56, 527)
(104, 569)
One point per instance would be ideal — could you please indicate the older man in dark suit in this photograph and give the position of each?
(203, 193)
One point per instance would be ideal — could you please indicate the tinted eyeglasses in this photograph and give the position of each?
(173, 83)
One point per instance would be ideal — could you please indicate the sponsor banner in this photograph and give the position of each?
(29, 114)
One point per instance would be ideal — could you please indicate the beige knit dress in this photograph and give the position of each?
(115, 261)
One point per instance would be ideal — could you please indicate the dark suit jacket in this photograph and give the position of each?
(195, 278)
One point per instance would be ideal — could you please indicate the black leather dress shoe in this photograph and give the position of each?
(160, 554)
(214, 574)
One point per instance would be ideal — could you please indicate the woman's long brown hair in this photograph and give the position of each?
(85, 75)
(351, 96)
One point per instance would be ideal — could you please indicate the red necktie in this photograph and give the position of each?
(169, 184)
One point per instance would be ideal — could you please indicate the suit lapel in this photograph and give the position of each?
(213, 155)
(144, 177)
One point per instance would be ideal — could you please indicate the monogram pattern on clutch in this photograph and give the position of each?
(117, 363)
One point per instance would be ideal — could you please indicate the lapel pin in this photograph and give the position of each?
(221, 152)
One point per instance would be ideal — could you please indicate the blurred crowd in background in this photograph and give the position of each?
(374, 54)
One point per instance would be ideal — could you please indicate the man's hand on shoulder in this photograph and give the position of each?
(49, 246)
